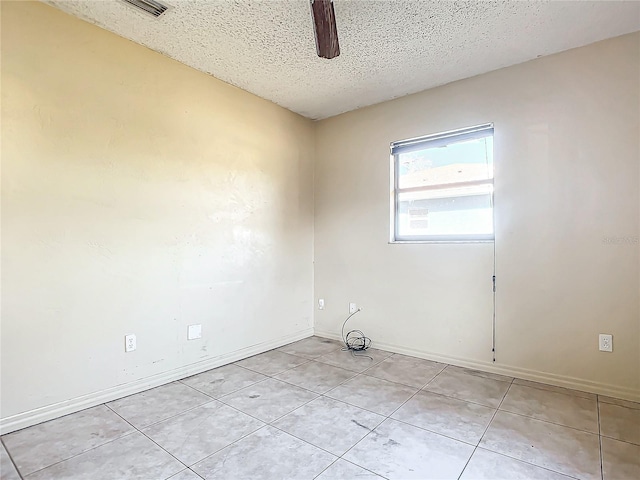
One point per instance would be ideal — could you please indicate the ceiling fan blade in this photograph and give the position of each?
(324, 27)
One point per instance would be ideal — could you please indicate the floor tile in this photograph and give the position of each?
(561, 449)
(619, 401)
(399, 451)
(329, 424)
(266, 454)
(223, 380)
(445, 415)
(472, 388)
(269, 400)
(7, 469)
(157, 404)
(131, 457)
(617, 422)
(315, 376)
(311, 347)
(186, 475)
(64, 437)
(567, 410)
(272, 362)
(374, 394)
(553, 388)
(486, 465)
(479, 373)
(620, 460)
(202, 431)
(354, 361)
(343, 470)
(411, 371)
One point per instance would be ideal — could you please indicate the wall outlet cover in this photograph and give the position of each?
(130, 343)
(321, 304)
(352, 307)
(194, 332)
(605, 342)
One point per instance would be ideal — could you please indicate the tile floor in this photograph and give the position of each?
(309, 410)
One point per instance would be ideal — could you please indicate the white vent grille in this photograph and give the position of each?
(148, 6)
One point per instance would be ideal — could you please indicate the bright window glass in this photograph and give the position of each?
(443, 187)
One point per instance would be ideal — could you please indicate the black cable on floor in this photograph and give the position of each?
(355, 340)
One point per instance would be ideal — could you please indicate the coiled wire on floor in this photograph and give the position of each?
(355, 340)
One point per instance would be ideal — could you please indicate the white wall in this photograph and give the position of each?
(139, 196)
(567, 179)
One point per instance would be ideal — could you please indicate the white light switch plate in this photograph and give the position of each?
(194, 331)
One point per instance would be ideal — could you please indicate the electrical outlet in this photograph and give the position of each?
(353, 308)
(606, 342)
(321, 304)
(129, 343)
(194, 332)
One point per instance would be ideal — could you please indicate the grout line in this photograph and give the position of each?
(303, 440)
(526, 462)
(316, 360)
(271, 375)
(456, 398)
(214, 398)
(534, 385)
(400, 383)
(211, 399)
(387, 417)
(74, 455)
(360, 441)
(548, 421)
(192, 471)
(182, 471)
(485, 430)
(621, 441)
(600, 438)
(356, 406)
(262, 381)
(271, 423)
(422, 390)
(289, 382)
(635, 407)
(364, 468)
(265, 424)
(324, 470)
(419, 390)
(504, 454)
(479, 374)
(83, 452)
(13, 462)
(227, 446)
(152, 440)
(431, 431)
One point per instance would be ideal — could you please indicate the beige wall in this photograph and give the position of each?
(139, 196)
(567, 178)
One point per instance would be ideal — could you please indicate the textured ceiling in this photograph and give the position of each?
(389, 48)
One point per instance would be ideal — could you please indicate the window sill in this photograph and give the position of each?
(393, 242)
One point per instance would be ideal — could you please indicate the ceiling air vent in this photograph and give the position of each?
(149, 6)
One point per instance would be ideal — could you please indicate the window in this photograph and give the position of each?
(442, 187)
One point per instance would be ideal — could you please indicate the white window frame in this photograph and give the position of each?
(425, 142)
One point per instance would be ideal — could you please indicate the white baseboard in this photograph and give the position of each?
(49, 412)
(523, 373)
